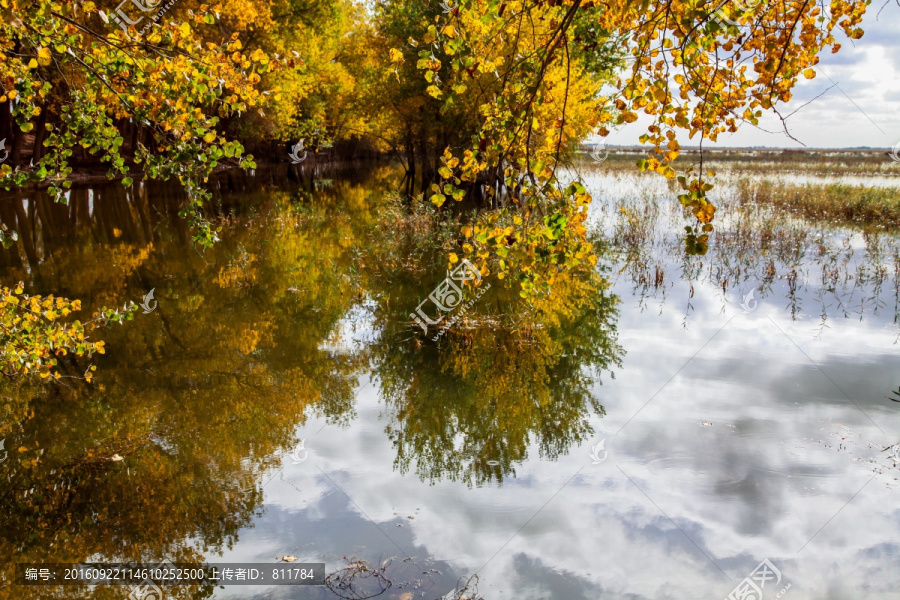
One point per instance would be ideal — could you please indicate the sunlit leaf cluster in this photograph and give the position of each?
(35, 337)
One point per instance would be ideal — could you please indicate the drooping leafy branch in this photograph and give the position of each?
(81, 86)
(702, 68)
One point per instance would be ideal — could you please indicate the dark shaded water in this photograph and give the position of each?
(636, 435)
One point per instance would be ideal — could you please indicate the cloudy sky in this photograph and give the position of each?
(862, 110)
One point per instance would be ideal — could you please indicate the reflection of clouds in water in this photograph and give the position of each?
(757, 484)
(354, 329)
(770, 474)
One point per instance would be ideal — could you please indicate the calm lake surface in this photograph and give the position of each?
(656, 431)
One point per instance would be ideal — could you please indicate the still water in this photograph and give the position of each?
(656, 430)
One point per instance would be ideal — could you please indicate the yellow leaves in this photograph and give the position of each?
(430, 35)
(429, 64)
(209, 137)
(809, 73)
(396, 55)
(33, 339)
(453, 259)
(666, 171)
(705, 213)
(434, 91)
(449, 31)
(43, 56)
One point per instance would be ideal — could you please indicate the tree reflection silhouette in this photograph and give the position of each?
(202, 397)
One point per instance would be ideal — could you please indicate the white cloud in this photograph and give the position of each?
(863, 110)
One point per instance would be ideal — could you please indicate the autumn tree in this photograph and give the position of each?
(702, 68)
(152, 96)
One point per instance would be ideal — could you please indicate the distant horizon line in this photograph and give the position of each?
(712, 148)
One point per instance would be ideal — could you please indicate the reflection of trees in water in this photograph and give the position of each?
(201, 397)
(469, 409)
(814, 266)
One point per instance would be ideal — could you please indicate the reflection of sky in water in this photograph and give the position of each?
(352, 331)
(790, 469)
(849, 263)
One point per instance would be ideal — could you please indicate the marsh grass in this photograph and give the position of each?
(870, 206)
(834, 255)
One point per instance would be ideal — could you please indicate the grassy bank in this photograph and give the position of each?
(862, 204)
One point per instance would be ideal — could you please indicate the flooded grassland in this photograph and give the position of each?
(655, 428)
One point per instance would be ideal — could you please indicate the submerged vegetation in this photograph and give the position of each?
(281, 287)
(874, 206)
(778, 242)
(301, 314)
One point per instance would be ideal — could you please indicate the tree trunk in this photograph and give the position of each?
(423, 158)
(15, 155)
(6, 123)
